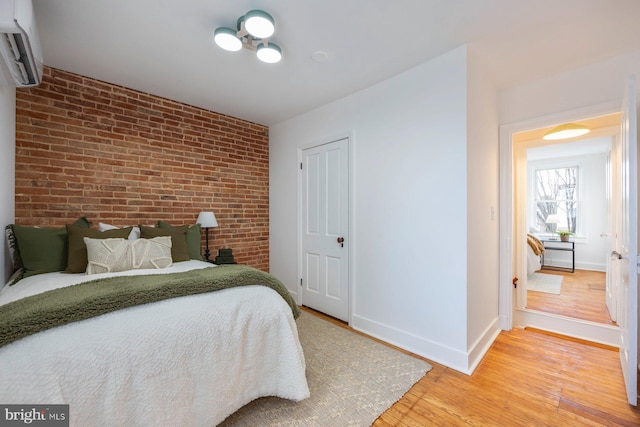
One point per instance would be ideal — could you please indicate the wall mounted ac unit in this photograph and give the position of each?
(19, 42)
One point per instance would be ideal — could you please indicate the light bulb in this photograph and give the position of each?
(271, 53)
(259, 24)
(226, 38)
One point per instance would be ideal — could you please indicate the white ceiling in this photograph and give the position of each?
(584, 147)
(165, 47)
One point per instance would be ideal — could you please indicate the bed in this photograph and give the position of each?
(535, 248)
(186, 361)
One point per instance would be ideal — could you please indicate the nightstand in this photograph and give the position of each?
(559, 245)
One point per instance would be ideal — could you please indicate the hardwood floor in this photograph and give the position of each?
(582, 296)
(526, 379)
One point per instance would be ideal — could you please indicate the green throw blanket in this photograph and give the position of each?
(58, 307)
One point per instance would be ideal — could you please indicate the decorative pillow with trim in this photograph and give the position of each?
(179, 251)
(16, 277)
(14, 256)
(17, 271)
(108, 255)
(193, 237)
(151, 253)
(120, 254)
(77, 253)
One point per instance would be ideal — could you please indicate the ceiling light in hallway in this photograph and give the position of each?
(568, 130)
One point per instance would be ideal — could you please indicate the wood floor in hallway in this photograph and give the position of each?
(526, 379)
(582, 296)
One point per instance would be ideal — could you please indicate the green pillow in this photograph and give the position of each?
(77, 254)
(42, 250)
(194, 239)
(82, 222)
(179, 251)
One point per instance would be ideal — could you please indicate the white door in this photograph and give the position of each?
(628, 313)
(324, 228)
(612, 233)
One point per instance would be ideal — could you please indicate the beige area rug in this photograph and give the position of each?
(352, 380)
(547, 283)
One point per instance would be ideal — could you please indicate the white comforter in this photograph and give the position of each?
(533, 261)
(189, 361)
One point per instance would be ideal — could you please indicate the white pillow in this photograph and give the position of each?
(111, 255)
(104, 227)
(151, 253)
(108, 255)
(135, 231)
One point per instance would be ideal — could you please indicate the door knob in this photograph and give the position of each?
(341, 241)
(616, 255)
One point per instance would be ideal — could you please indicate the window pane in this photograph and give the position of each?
(556, 199)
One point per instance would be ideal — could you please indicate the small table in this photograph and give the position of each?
(559, 245)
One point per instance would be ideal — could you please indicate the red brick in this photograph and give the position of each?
(87, 147)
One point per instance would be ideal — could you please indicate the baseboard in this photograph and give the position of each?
(421, 346)
(482, 345)
(294, 295)
(582, 329)
(592, 266)
(505, 322)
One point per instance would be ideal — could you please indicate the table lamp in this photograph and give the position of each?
(554, 220)
(207, 220)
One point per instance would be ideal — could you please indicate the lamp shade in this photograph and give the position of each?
(259, 24)
(207, 220)
(226, 38)
(553, 219)
(269, 53)
(569, 130)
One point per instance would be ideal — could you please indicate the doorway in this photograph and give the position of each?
(568, 190)
(624, 244)
(604, 121)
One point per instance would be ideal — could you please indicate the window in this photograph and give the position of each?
(556, 199)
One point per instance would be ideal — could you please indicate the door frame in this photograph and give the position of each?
(350, 222)
(614, 164)
(506, 270)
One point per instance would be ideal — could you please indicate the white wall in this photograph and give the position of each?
(409, 219)
(584, 87)
(8, 167)
(482, 211)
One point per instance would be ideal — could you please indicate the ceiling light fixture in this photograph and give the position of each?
(569, 130)
(253, 32)
(259, 24)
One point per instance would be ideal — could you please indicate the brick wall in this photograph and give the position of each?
(116, 155)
